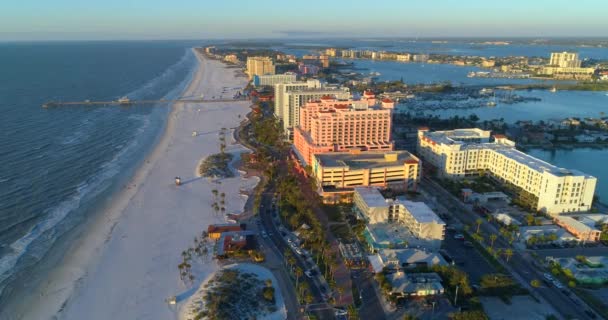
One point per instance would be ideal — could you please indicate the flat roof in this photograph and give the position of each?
(450, 138)
(575, 224)
(367, 160)
(421, 212)
(372, 197)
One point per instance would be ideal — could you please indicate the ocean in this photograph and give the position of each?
(60, 164)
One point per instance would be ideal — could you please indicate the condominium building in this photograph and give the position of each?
(332, 125)
(259, 66)
(565, 60)
(339, 172)
(468, 152)
(273, 79)
(404, 57)
(417, 217)
(289, 97)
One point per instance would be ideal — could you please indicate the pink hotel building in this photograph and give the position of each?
(332, 125)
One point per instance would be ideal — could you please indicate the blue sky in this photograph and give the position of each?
(202, 19)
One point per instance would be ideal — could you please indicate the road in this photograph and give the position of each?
(322, 311)
(521, 266)
(371, 307)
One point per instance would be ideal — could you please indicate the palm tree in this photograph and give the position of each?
(479, 221)
(298, 274)
(493, 237)
(340, 292)
(508, 254)
(214, 191)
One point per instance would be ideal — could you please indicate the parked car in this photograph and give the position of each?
(558, 284)
(459, 236)
(548, 276)
(468, 244)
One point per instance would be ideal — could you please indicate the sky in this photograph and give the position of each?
(241, 19)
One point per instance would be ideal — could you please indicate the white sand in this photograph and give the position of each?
(126, 265)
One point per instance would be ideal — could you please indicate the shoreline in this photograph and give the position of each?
(59, 293)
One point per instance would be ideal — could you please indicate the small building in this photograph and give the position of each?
(580, 230)
(215, 231)
(397, 259)
(415, 284)
(230, 242)
(506, 219)
(562, 236)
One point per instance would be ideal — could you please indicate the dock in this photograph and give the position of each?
(122, 102)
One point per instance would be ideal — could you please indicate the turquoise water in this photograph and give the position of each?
(58, 164)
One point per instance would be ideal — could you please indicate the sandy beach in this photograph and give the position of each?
(125, 266)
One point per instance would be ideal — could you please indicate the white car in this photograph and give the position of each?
(548, 276)
(308, 273)
(558, 284)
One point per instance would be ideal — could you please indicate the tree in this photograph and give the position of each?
(298, 274)
(535, 283)
(493, 237)
(340, 292)
(479, 221)
(508, 254)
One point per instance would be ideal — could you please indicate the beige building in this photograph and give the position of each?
(469, 152)
(404, 57)
(565, 60)
(566, 65)
(259, 66)
(337, 173)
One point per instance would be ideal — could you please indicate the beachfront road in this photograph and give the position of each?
(274, 235)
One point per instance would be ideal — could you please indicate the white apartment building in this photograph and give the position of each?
(417, 217)
(273, 79)
(289, 97)
(468, 152)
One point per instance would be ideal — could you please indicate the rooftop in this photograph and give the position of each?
(372, 196)
(421, 212)
(459, 137)
(365, 160)
(575, 224)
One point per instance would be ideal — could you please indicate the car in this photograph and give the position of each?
(264, 234)
(298, 251)
(548, 276)
(468, 244)
(308, 273)
(558, 284)
(459, 236)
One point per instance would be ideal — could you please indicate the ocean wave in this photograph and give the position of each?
(46, 229)
(156, 83)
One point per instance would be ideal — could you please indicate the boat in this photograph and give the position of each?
(124, 100)
(554, 89)
(491, 104)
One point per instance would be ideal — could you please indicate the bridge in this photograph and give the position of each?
(121, 102)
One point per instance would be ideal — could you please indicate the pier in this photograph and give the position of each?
(123, 102)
